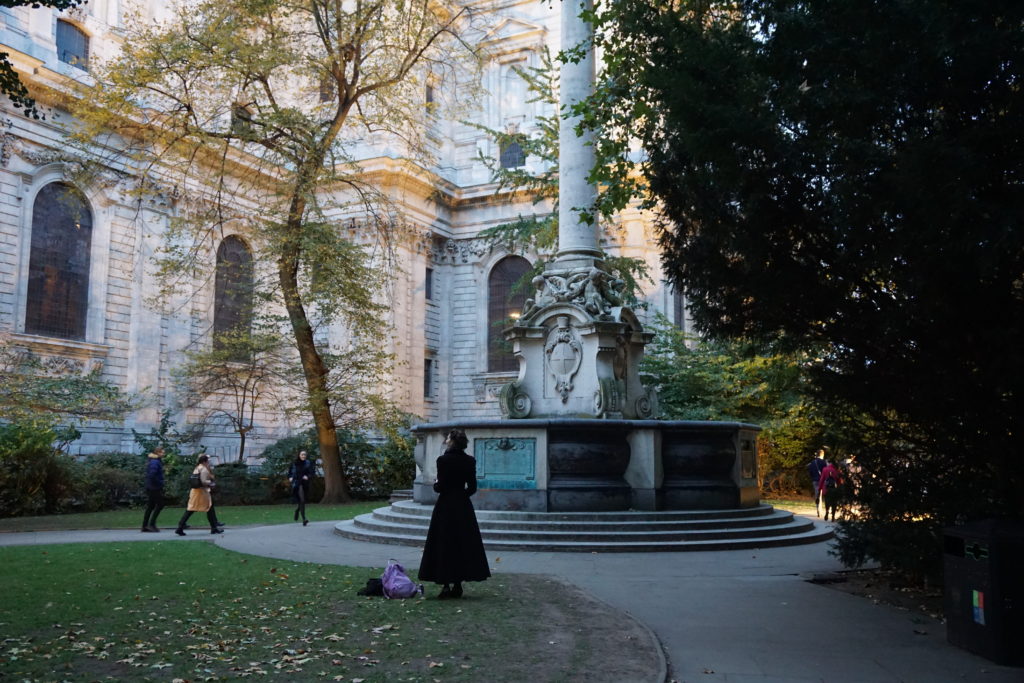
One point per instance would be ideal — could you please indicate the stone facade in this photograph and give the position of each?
(138, 345)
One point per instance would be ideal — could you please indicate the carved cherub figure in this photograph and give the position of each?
(541, 298)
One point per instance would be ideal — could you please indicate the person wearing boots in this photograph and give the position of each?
(154, 489)
(300, 475)
(454, 551)
(200, 499)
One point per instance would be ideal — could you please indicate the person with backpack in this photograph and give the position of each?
(454, 551)
(829, 483)
(814, 468)
(200, 498)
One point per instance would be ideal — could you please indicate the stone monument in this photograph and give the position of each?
(578, 432)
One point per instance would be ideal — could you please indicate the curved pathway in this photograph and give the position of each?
(738, 616)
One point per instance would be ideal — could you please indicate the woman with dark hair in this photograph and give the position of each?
(300, 474)
(454, 551)
(200, 499)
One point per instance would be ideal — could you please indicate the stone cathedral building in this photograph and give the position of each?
(76, 290)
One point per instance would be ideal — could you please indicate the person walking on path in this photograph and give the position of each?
(814, 468)
(829, 482)
(300, 476)
(454, 550)
(154, 490)
(200, 499)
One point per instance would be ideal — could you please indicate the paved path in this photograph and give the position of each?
(737, 616)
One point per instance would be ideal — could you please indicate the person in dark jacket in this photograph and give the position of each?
(154, 489)
(454, 551)
(300, 475)
(814, 468)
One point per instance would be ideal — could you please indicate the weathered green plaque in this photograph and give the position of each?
(505, 463)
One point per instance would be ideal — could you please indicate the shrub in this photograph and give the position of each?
(373, 470)
(100, 485)
(238, 484)
(35, 478)
(393, 465)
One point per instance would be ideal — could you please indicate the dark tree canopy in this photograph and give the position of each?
(847, 175)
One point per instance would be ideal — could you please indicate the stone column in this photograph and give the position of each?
(577, 239)
(579, 348)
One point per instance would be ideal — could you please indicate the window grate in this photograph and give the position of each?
(233, 291)
(504, 304)
(72, 45)
(58, 277)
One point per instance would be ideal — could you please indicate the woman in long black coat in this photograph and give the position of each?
(454, 551)
(300, 476)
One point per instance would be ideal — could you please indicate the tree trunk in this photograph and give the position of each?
(335, 484)
(241, 444)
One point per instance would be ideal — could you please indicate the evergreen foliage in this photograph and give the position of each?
(845, 177)
(702, 379)
(35, 478)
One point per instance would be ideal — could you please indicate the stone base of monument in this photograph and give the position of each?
(570, 484)
(406, 523)
(588, 465)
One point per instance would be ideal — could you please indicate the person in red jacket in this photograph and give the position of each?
(829, 482)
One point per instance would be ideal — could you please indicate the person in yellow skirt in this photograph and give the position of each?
(200, 499)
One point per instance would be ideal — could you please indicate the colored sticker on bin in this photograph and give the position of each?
(978, 602)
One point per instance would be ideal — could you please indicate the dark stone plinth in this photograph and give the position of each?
(588, 464)
(586, 468)
(699, 463)
(510, 500)
(579, 494)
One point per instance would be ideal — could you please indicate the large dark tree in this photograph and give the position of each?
(847, 174)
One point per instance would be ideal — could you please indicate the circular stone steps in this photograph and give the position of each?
(406, 522)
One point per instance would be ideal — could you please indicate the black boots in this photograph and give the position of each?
(453, 592)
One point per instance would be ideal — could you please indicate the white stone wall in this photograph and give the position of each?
(139, 344)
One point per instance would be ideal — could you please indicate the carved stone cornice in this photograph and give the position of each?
(459, 251)
(60, 357)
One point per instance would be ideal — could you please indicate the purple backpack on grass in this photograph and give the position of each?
(396, 583)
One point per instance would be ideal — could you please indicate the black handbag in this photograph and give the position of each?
(195, 481)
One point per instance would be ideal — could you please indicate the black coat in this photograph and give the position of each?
(454, 550)
(295, 473)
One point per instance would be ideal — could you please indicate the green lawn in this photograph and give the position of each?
(162, 611)
(237, 515)
(800, 506)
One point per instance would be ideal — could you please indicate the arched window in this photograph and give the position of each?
(58, 266)
(505, 303)
(233, 289)
(72, 45)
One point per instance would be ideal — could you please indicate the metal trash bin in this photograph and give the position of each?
(983, 598)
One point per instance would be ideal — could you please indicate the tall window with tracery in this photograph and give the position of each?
(505, 303)
(233, 292)
(58, 271)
